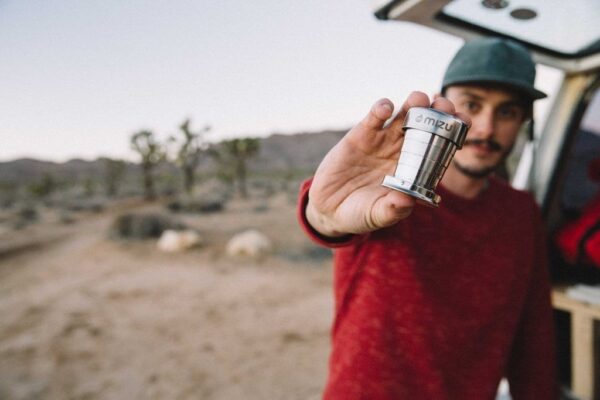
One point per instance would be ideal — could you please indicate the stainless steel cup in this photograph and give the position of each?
(430, 141)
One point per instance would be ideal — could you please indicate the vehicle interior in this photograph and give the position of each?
(561, 166)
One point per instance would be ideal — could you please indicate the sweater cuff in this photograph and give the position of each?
(326, 241)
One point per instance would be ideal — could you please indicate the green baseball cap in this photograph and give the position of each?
(494, 60)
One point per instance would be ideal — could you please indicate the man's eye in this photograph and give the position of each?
(471, 106)
(510, 113)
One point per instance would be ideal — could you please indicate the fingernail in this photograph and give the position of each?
(387, 106)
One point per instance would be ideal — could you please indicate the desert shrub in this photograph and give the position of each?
(306, 254)
(89, 187)
(197, 205)
(43, 187)
(91, 205)
(211, 197)
(8, 194)
(7, 202)
(175, 206)
(261, 208)
(23, 216)
(65, 217)
(317, 253)
(263, 189)
(143, 226)
(27, 213)
(19, 224)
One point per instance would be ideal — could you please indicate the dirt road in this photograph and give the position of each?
(87, 317)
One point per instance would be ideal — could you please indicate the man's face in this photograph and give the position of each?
(496, 118)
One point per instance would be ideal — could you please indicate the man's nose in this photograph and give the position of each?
(483, 125)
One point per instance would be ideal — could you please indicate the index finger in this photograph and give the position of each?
(415, 99)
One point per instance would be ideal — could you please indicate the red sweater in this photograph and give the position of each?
(444, 304)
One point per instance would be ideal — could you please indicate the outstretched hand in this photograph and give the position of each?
(346, 196)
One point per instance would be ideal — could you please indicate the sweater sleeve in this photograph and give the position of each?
(532, 365)
(311, 232)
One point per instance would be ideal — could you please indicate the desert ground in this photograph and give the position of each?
(87, 316)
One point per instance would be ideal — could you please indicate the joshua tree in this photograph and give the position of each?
(89, 186)
(114, 172)
(43, 187)
(151, 153)
(188, 155)
(234, 154)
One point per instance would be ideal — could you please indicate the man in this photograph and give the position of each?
(438, 303)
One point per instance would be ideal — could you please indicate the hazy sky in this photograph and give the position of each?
(77, 78)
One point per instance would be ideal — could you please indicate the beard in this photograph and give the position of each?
(483, 172)
(475, 173)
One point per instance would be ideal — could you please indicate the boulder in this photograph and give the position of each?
(172, 241)
(250, 243)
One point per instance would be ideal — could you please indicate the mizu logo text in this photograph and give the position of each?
(433, 122)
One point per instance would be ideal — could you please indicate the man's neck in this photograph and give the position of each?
(463, 185)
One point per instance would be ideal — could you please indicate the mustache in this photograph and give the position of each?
(491, 143)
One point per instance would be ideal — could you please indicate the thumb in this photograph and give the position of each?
(391, 208)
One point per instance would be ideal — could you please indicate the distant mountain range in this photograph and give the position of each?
(278, 153)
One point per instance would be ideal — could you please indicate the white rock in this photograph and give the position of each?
(173, 241)
(250, 243)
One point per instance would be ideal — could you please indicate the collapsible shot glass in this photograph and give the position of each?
(430, 141)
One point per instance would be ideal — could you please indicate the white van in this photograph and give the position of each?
(564, 35)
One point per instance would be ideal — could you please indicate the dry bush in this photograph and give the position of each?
(209, 205)
(143, 225)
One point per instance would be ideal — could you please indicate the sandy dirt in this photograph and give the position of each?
(88, 317)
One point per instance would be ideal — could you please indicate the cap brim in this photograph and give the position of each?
(529, 91)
